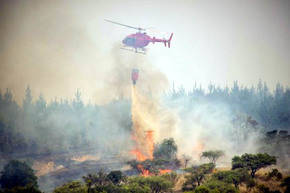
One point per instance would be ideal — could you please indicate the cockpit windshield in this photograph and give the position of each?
(129, 41)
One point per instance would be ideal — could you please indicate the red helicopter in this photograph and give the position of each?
(140, 40)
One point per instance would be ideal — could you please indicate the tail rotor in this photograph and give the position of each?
(169, 40)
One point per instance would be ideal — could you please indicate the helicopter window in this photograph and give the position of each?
(130, 41)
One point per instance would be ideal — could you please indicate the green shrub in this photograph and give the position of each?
(116, 177)
(135, 188)
(71, 187)
(172, 177)
(196, 175)
(235, 177)
(17, 174)
(220, 187)
(202, 189)
(157, 184)
(25, 189)
(253, 162)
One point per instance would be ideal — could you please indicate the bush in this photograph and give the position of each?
(135, 188)
(109, 188)
(157, 184)
(220, 187)
(286, 183)
(116, 177)
(25, 189)
(264, 189)
(172, 177)
(197, 175)
(235, 177)
(202, 189)
(17, 174)
(166, 150)
(214, 187)
(71, 187)
(253, 162)
(275, 174)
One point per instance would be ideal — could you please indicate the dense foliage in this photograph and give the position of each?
(157, 184)
(17, 173)
(197, 175)
(104, 183)
(235, 177)
(269, 109)
(61, 124)
(22, 189)
(202, 178)
(253, 162)
(216, 187)
(166, 150)
(71, 187)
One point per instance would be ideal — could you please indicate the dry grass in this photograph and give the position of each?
(272, 184)
(260, 178)
(178, 185)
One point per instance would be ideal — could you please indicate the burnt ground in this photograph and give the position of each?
(62, 167)
(76, 171)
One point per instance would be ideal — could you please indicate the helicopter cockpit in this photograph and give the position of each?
(129, 41)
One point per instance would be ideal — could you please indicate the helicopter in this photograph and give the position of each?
(138, 41)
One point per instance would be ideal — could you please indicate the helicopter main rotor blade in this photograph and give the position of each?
(137, 28)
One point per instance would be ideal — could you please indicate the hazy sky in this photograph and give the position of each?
(59, 46)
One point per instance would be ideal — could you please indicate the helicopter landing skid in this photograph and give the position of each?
(132, 50)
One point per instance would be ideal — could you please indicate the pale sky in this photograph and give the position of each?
(59, 46)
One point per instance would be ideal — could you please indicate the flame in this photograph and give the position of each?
(145, 121)
(139, 155)
(165, 171)
(150, 143)
(142, 120)
(144, 172)
(143, 125)
(144, 152)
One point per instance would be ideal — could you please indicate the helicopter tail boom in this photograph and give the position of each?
(166, 42)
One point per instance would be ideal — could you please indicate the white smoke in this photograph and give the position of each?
(203, 126)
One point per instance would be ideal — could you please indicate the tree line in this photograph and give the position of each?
(271, 109)
(63, 125)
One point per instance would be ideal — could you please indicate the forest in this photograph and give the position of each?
(55, 131)
(62, 125)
